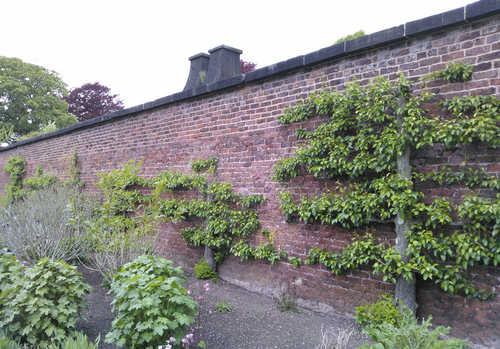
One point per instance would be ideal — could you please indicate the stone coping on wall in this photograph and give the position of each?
(404, 32)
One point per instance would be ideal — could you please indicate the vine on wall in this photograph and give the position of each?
(371, 132)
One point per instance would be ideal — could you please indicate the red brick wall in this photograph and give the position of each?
(239, 126)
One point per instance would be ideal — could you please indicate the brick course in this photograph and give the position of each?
(239, 125)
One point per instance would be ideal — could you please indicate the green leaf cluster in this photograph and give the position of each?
(357, 34)
(218, 213)
(453, 72)
(151, 304)
(40, 180)
(263, 251)
(15, 168)
(17, 188)
(79, 342)
(203, 271)
(208, 165)
(383, 311)
(408, 334)
(45, 301)
(74, 172)
(31, 97)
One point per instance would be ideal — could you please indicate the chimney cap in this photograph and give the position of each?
(225, 47)
(199, 55)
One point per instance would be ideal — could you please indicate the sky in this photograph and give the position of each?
(141, 49)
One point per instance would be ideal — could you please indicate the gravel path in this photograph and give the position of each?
(255, 321)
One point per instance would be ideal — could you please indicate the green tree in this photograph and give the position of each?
(31, 97)
(357, 34)
(366, 147)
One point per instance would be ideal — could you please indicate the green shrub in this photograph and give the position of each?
(79, 342)
(47, 223)
(125, 228)
(409, 335)
(151, 304)
(46, 300)
(50, 127)
(375, 314)
(11, 271)
(203, 271)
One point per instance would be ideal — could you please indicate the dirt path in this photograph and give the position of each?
(255, 322)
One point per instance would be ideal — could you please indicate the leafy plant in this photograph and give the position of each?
(15, 169)
(223, 306)
(151, 304)
(115, 237)
(202, 164)
(46, 224)
(202, 76)
(374, 314)
(50, 127)
(40, 180)
(46, 301)
(410, 335)
(287, 299)
(453, 72)
(74, 173)
(203, 271)
(11, 271)
(357, 34)
(265, 250)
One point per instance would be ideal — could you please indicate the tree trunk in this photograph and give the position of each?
(405, 289)
(209, 258)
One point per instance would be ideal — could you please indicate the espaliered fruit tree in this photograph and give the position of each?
(366, 147)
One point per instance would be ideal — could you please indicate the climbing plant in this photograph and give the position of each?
(365, 147)
(215, 216)
(15, 169)
(219, 218)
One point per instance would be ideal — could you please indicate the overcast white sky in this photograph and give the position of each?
(140, 49)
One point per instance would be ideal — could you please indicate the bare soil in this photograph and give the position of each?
(255, 322)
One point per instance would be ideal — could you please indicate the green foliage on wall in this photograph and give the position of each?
(15, 169)
(216, 216)
(369, 129)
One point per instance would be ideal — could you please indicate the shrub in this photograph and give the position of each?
(409, 335)
(151, 304)
(45, 224)
(117, 240)
(375, 314)
(125, 227)
(203, 271)
(11, 271)
(45, 301)
(79, 342)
